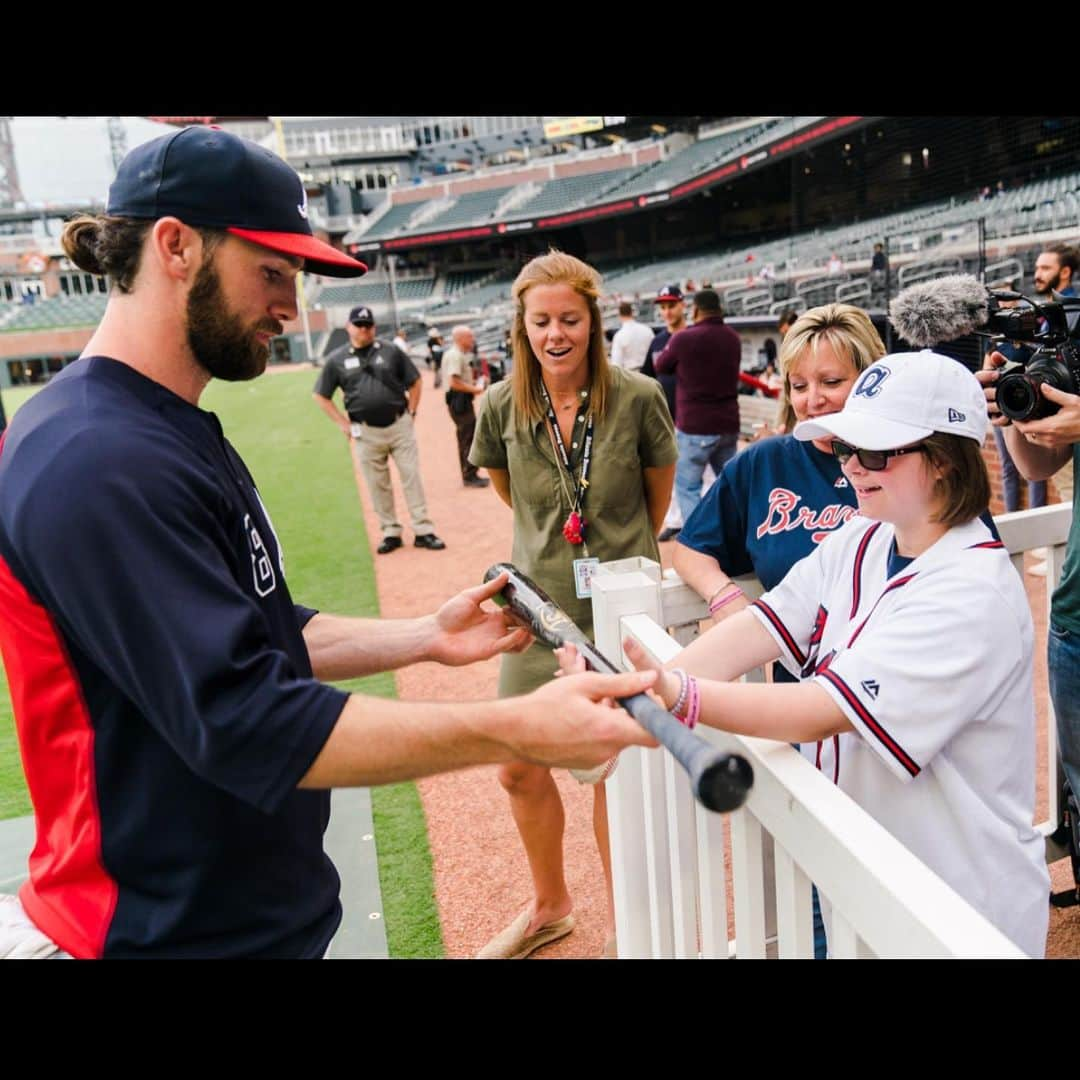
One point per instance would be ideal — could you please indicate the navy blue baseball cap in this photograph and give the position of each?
(669, 292)
(209, 177)
(361, 316)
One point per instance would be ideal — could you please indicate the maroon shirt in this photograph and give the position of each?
(705, 360)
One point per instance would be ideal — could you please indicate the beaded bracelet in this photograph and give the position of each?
(694, 708)
(680, 701)
(716, 604)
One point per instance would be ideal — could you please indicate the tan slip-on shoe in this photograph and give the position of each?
(514, 944)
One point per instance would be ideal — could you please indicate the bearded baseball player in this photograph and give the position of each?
(178, 745)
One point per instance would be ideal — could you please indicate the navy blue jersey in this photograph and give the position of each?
(163, 692)
(770, 507)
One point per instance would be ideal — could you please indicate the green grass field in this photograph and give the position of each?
(306, 481)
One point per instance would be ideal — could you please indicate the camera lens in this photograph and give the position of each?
(1018, 396)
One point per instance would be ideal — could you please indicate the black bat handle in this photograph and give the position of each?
(720, 781)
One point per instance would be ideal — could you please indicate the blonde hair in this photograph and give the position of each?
(849, 332)
(556, 268)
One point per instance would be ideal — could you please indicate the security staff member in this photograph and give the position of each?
(382, 391)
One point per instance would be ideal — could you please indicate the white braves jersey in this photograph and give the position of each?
(933, 668)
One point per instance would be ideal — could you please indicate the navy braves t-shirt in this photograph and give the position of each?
(163, 692)
(771, 505)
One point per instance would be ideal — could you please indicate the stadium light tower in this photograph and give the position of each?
(117, 140)
(309, 353)
(10, 192)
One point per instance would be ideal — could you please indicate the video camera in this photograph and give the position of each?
(1052, 330)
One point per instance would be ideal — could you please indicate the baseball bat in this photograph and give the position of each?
(720, 781)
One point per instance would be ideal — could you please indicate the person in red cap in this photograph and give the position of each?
(178, 745)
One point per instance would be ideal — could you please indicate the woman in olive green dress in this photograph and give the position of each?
(584, 453)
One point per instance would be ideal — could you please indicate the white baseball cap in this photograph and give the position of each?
(903, 398)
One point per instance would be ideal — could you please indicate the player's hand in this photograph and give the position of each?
(463, 631)
(571, 662)
(1061, 429)
(666, 689)
(566, 723)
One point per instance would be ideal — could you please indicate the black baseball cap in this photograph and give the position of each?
(669, 292)
(361, 316)
(209, 177)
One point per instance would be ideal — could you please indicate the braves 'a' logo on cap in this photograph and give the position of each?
(870, 384)
(302, 205)
(956, 416)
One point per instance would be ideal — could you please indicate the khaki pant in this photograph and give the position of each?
(374, 447)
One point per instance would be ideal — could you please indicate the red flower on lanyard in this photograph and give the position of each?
(574, 529)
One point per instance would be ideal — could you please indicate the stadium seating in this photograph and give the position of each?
(57, 313)
(394, 220)
(459, 280)
(474, 208)
(571, 192)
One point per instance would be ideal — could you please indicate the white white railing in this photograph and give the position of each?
(668, 854)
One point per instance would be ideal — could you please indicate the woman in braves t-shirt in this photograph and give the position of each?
(774, 502)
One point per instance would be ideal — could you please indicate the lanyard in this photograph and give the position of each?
(586, 455)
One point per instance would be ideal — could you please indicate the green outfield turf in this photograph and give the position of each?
(301, 466)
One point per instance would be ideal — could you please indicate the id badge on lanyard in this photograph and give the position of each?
(583, 575)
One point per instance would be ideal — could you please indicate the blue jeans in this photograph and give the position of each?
(695, 452)
(1063, 661)
(1010, 479)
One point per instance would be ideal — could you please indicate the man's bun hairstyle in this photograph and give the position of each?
(108, 246)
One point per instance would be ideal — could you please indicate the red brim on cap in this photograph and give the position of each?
(319, 257)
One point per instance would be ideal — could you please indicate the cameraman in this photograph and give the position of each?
(1040, 448)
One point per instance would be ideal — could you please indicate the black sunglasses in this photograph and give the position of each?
(871, 460)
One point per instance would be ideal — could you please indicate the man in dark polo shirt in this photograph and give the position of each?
(705, 361)
(382, 391)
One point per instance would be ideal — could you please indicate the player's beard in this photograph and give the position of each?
(218, 338)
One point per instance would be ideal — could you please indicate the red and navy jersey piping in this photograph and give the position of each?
(871, 722)
(856, 572)
(785, 634)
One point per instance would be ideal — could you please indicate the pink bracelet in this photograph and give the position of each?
(692, 699)
(716, 604)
